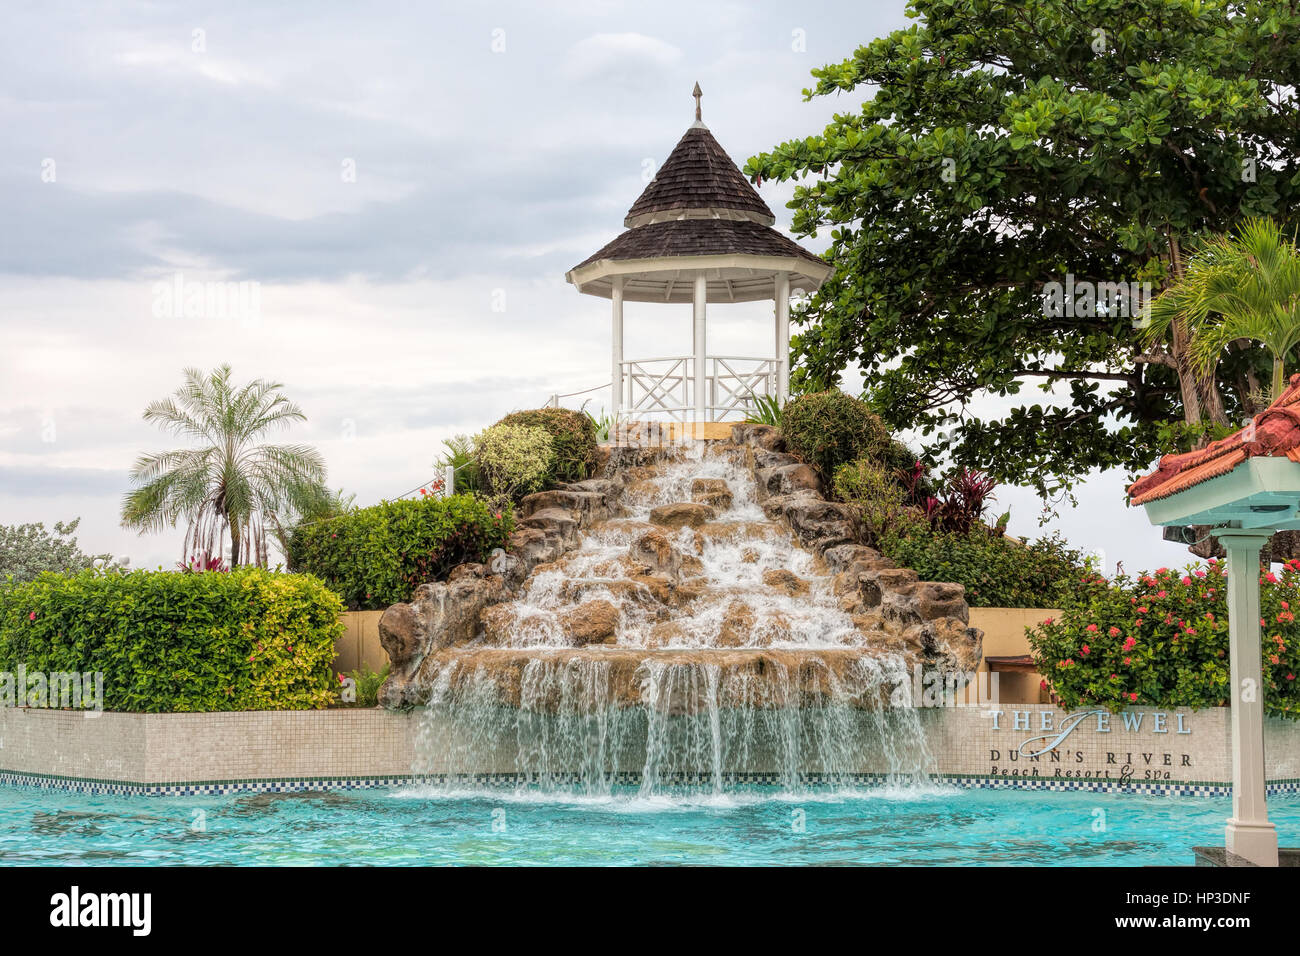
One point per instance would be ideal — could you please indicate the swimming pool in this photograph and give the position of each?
(409, 827)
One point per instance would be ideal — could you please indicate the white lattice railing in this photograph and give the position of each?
(665, 387)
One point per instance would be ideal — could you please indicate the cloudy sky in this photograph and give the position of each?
(406, 184)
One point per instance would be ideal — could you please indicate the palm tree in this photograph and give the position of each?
(1242, 287)
(230, 484)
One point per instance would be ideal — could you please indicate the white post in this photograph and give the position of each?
(449, 481)
(1248, 834)
(616, 356)
(782, 296)
(700, 296)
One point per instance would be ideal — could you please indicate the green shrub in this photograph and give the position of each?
(1162, 640)
(996, 571)
(573, 439)
(514, 460)
(829, 429)
(377, 556)
(875, 492)
(249, 639)
(366, 684)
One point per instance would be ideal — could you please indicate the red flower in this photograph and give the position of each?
(1092, 627)
(32, 616)
(1130, 642)
(1113, 632)
(1133, 697)
(1085, 650)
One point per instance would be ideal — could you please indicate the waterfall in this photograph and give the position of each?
(733, 663)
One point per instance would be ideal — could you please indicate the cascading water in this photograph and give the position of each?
(731, 659)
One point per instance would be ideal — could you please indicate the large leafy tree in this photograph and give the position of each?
(1009, 144)
(230, 483)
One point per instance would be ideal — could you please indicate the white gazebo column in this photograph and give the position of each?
(1249, 834)
(699, 358)
(616, 350)
(782, 296)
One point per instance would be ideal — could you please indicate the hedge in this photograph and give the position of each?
(377, 556)
(249, 639)
(995, 570)
(1161, 639)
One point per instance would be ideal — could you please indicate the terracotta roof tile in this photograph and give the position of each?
(698, 174)
(1273, 432)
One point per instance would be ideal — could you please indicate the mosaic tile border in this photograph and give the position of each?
(511, 780)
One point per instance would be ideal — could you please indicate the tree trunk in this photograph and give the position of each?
(234, 542)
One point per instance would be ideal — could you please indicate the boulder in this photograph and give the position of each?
(760, 436)
(683, 514)
(440, 615)
(787, 581)
(655, 550)
(737, 625)
(787, 479)
(593, 622)
(817, 523)
(711, 491)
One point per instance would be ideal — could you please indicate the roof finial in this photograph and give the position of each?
(697, 93)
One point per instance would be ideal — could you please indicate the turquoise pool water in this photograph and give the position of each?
(753, 826)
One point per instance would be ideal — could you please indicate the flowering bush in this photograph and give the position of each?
(1162, 639)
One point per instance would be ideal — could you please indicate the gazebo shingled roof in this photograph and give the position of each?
(699, 215)
(1274, 432)
(701, 237)
(698, 175)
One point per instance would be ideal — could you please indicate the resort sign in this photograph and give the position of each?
(1148, 745)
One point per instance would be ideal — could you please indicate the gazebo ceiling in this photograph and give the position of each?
(1251, 479)
(699, 215)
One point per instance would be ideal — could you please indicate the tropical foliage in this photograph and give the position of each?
(228, 483)
(1237, 288)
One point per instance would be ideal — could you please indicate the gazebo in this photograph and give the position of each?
(1245, 487)
(699, 233)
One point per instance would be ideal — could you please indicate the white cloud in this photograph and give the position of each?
(627, 57)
